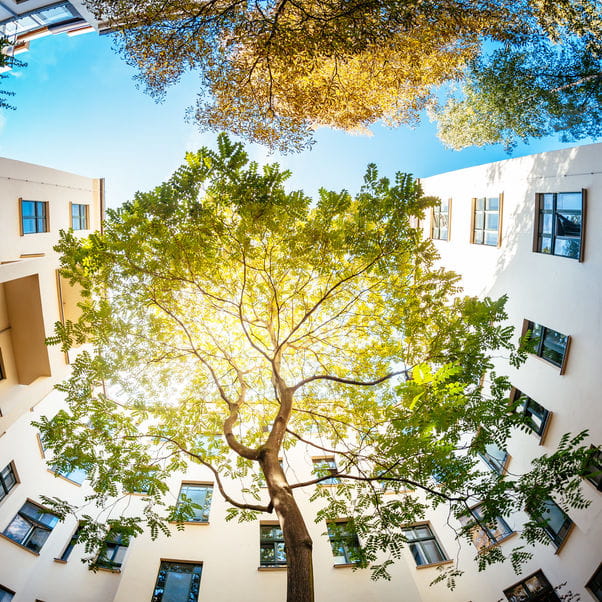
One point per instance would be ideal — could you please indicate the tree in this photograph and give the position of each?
(7, 61)
(227, 319)
(274, 72)
(533, 91)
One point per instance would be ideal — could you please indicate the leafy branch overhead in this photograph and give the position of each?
(229, 321)
(273, 72)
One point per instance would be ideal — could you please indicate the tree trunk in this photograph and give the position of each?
(300, 576)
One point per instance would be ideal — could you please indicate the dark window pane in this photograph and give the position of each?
(37, 539)
(177, 582)
(554, 345)
(595, 584)
(560, 219)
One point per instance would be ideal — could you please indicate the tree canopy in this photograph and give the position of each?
(273, 72)
(227, 319)
(538, 89)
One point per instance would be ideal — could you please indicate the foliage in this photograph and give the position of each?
(536, 90)
(228, 320)
(6, 61)
(273, 72)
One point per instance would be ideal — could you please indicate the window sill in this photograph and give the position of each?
(189, 522)
(19, 545)
(60, 476)
(60, 561)
(269, 569)
(563, 542)
(547, 362)
(345, 565)
(105, 569)
(433, 564)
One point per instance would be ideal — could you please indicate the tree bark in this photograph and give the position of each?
(299, 545)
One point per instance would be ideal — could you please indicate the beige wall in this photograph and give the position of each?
(560, 293)
(28, 267)
(557, 292)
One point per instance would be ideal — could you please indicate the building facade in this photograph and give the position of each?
(22, 21)
(523, 227)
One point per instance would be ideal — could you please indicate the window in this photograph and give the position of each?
(535, 588)
(6, 595)
(594, 585)
(536, 416)
(559, 224)
(324, 467)
(486, 227)
(485, 534)
(344, 542)
(77, 475)
(79, 216)
(548, 344)
(142, 481)
(112, 552)
(67, 551)
(178, 582)
(272, 551)
(424, 546)
(494, 457)
(555, 522)
(440, 221)
(31, 527)
(593, 469)
(34, 217)
(8, 479)
(198, 500)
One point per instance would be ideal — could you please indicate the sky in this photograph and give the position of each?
(78, 109)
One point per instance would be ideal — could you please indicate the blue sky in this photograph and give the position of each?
(78, 109)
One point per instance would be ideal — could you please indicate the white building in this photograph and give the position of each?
(23, 21)
(489, 233)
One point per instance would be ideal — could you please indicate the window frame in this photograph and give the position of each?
(547, 589)
(483, 537)
(73, 540)
(496, 464)
(327, 465)
(436, 224)
(348, 543)
(86, 214)
(2, 369)
(195, 584)
(273, 542)
(45, 217)
(111, 547)
(4, 490)
(473, 221)
(595, 467)
(204, 518)
(34, 526)
(559, 537)
(597, 576)
(418, 543)
(537, 230)
(529, 325)
(515, 397)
